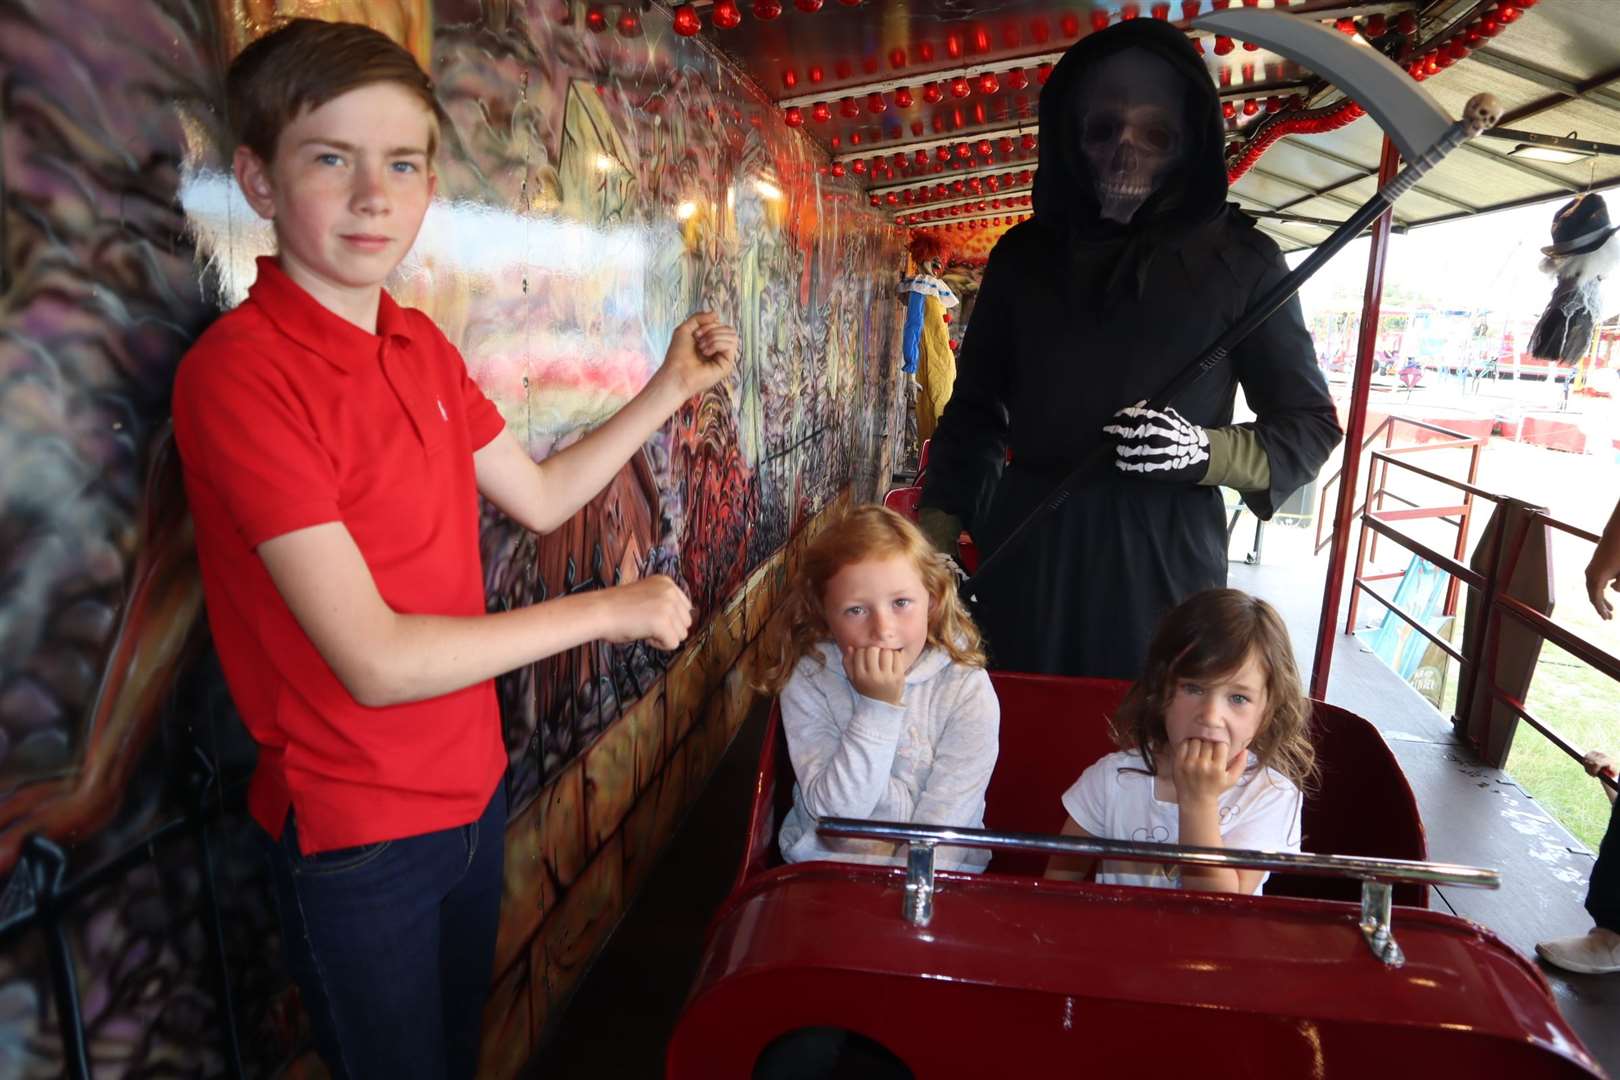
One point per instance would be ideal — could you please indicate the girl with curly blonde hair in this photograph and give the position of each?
(1214, 748)
(888, 712)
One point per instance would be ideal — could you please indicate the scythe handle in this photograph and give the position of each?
(1479, 114)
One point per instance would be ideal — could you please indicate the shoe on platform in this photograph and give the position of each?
(1596, 952)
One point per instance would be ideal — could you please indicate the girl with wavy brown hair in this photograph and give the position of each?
(1214, 748)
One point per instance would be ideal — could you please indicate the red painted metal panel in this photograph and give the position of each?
(1015, 976)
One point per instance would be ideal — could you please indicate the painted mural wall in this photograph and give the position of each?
(594, 189)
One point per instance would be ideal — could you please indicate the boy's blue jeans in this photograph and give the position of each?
(391, 945)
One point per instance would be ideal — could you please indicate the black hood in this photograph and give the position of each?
(1064, 198)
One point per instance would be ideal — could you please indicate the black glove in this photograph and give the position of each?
(1159, 445)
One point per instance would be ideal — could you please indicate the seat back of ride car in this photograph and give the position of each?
(1052, 728)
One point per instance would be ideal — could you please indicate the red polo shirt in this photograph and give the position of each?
(289, 416)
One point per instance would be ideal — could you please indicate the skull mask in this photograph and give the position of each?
(1130, 129)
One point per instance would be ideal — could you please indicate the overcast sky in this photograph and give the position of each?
(1486, 263)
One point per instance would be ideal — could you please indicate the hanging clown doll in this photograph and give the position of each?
(926, 344)
(1582, 253)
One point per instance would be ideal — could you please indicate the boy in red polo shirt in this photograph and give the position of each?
(334, 452)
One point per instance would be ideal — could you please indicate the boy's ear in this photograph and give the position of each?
(253, 177)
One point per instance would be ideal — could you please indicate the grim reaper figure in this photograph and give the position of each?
(1132, 264)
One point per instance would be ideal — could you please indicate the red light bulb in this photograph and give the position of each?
(725, 15)
(933, 94)
(766, 10)
(1223, 45)
(1039, 32)
(629, 23)
(897, 58)
(876, 104)
(595, 21)
(838, 168)
(820, 112)
(1016, 79)
(1043, 73)
(808, 6)
(793, 116)
(960, 87)
(988, 84)
(848, 109)
(903, 98)
(687, 21)
(1099, 18)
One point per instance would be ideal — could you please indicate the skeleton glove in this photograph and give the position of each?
(1159, 445)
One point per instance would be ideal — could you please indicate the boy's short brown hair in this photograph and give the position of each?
(304, 64)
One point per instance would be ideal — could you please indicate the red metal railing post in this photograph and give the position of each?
(1361, 565)
(1453, 589)
(1355, 426)
(1382, 469)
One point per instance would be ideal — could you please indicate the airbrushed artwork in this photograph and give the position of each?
(594, 189)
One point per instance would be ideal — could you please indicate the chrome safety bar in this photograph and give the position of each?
(1376, 875)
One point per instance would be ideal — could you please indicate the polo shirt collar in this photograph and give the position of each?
(311, 324)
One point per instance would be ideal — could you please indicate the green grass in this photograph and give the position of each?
(1584, 708)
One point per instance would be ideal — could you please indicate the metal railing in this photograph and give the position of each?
(1490, 586)
(1378, 488)
(1376, 875)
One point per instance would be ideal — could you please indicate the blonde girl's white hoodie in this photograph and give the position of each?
(927, 760)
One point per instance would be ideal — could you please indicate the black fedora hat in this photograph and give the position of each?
(1581, 225)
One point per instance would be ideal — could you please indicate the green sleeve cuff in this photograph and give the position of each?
(941, 528)
(1237, 459)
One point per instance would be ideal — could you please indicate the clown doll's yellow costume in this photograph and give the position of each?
(926, 345)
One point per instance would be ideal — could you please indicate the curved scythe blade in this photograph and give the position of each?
(1407, 113)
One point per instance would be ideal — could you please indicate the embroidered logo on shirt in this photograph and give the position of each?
(442, 413)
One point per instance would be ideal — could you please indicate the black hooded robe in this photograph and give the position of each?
(1078, 317)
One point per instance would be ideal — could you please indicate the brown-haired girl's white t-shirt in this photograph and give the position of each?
(1114, 799)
